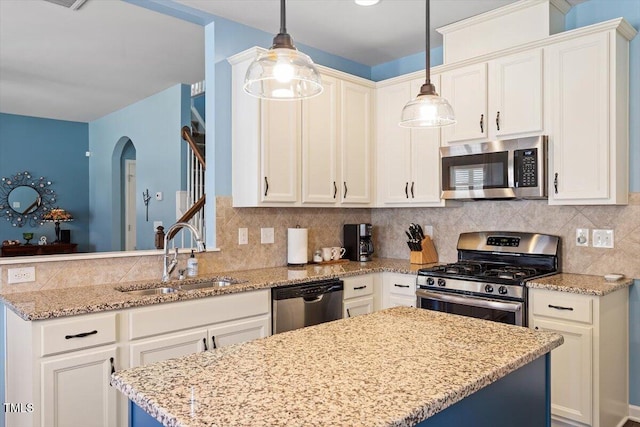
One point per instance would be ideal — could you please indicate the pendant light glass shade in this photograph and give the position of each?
(428, 109)
(283, 73)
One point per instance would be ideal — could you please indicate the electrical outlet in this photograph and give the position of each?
(428, 230)
(602, 238)
(266, 235)
(21, 275)
(243, 236)
(582, 237)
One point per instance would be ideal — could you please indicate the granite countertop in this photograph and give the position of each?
(47, 304)
(579, 284)
(395, 367)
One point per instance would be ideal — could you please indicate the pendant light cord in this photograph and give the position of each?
(427, 44)
(283, 17)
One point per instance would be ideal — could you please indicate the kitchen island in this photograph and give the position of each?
(397, 367)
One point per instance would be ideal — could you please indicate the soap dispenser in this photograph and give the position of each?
(192, 265)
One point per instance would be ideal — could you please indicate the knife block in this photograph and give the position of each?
(427, 255)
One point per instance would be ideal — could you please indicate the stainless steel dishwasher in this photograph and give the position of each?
(306, 304)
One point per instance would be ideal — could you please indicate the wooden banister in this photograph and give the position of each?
(186, 135)
(190, 214)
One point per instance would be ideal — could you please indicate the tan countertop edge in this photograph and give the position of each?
(233, 386)
(55, 303)
(579, 284)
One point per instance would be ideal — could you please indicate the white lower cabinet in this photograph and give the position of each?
(63, 366)
(398, 290)
(360, 294)
(589, 371)
(76, 390)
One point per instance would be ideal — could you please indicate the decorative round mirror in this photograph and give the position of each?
(24, 199)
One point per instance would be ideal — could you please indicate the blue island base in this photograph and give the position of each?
(521, 399)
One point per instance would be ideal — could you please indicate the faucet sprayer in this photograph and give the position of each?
(168, 267)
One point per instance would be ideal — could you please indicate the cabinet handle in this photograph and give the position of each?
(498, 120)
(412, 185)
(555, 183)
(481, 123)
(213, 340)
(357, 288)
(348, 313)
(345, 189)
(536, 328)
(335, 189)
(559, 307)
(81, 335)
(406, 189)
(113, 367)
(204, 341)
(266, 186)
(400, 286)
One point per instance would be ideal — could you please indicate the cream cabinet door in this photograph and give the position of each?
(571, 370)
(466, 90)
(515, 95)
(394, 151)
(355, 144)
(76, 389)
(320, 145)
(239, 331)
(580, 113)
(167, 347)
(358, 306)
(279, 142)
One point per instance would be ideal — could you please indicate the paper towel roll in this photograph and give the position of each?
(297, 245)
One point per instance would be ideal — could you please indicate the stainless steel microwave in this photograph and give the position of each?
(507, 169)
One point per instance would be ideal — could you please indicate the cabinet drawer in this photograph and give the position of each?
(559, 305)
(181, 315)
(406, 287)
(358, 286)
(81, 332)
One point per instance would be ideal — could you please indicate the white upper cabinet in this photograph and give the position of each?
(355, 143)
(315, 152)
(320, 145)
(466, 90)
(408, 160)
(515, 95)
(588, 83)
(498, 99)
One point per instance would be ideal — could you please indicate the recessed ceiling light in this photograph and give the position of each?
(367, 2)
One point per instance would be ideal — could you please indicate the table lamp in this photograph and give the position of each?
(57, 215)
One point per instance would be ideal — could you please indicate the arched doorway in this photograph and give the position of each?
(124, 201)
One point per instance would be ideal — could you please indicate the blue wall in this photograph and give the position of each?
(56, 150)
(153, 126)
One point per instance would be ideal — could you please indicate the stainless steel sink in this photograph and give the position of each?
(207, 285)
(152, 291)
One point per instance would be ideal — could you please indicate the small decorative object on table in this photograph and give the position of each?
(43, 240)
(57, 215)
(27, 237)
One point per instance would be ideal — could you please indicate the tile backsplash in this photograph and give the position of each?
(325, 229)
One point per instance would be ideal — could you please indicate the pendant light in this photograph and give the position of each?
(283, 73)
(428, 109)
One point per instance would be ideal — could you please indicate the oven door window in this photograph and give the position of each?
(475, 171)
(494, 315)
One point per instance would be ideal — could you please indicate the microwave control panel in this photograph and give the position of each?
(526, 167)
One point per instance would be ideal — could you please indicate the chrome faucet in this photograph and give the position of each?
(169, 266)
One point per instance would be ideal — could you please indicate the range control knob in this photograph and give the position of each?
(441, 282)
(502, 290)
(430, 281)
(488, 288)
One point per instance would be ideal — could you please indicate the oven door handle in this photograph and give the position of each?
(475, 301)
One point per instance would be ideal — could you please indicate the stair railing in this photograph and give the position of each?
(196, 166)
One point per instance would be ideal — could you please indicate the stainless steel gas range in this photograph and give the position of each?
(488, 280)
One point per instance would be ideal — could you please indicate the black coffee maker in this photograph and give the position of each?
(358, 242)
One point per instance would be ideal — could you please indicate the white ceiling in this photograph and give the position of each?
(81, 65)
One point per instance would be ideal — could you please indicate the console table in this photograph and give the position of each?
(50, 249)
